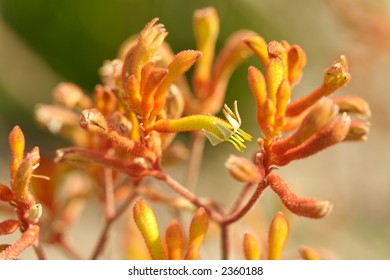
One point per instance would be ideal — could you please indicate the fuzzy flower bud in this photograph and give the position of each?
(306, 207)
(244, 170)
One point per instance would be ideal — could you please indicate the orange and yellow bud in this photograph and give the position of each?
(251, 248)
(174, 239)
(147, 225)
(277, 236)
(206, 30)
(198, 229)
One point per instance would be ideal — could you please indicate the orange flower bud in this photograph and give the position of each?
(174, 239)
(277, 236)
(206, 30)
(258, 87)
(244, 170)
(354, 104)
(22, 180)
(321, 114)
(275, 72)
(198, 229)
(251, 248)
(16, 143)
(5, 193)
(296, 61)
(259, 47)
(8, 226)
(333, 133)
(106, 100)
(307, 207)
(177, 67)
(149, 41)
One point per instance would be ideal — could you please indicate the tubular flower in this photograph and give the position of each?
(172, 247)
(19, 197)
(217, 130)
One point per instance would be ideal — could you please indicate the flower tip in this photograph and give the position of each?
(323, 209)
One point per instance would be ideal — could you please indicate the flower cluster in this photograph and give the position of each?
(19, 197)
(121, 134)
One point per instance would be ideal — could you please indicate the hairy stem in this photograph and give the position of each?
(181, 190)
(239, 213)
(240, 198)
(109, 221)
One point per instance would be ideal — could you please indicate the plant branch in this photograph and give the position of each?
(109, 221)
(239, 213)
(240, 198)
(39, 251)
(181, 190)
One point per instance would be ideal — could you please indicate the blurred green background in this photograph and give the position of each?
(43, 42)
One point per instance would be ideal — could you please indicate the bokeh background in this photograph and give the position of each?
(43, 42)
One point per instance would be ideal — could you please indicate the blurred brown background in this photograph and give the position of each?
(43, 42)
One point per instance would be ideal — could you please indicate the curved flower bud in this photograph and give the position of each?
(216, 129)
(355, 105)
(333, 133)
(296, 59)
(307, 207)
(259, 47)
(321, 114)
